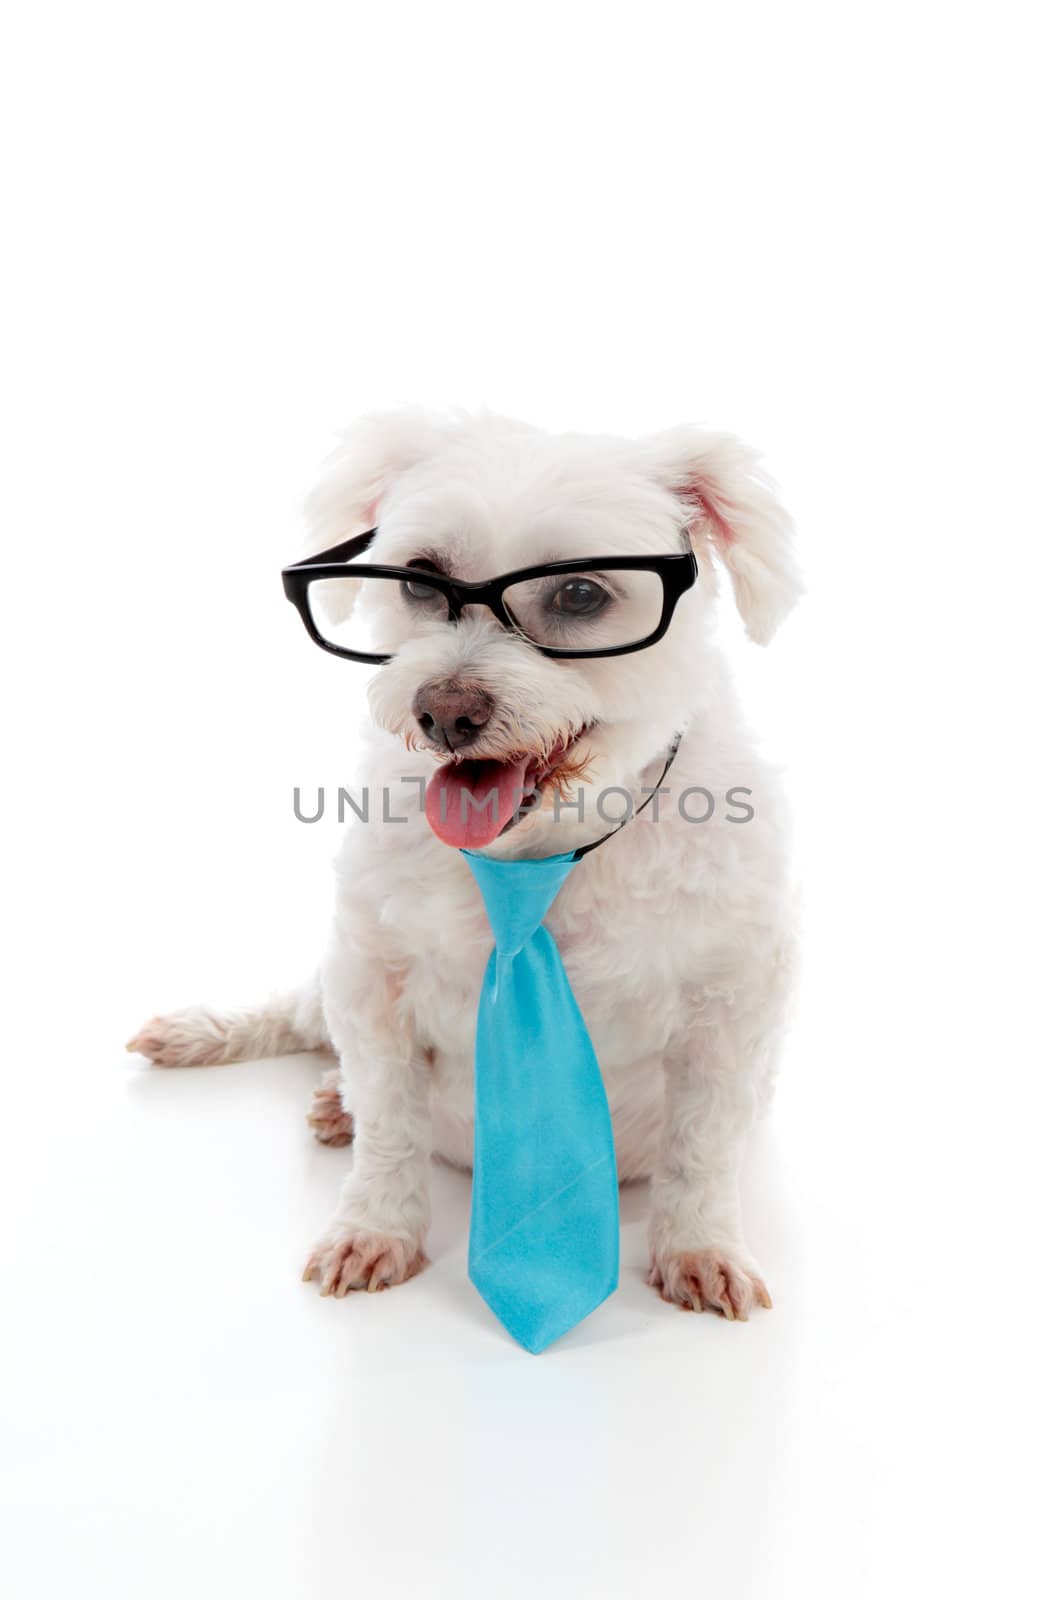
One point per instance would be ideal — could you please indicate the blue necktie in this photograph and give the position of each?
(544, 1235)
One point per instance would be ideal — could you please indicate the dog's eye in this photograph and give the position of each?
(415, 590)
(579, 597)
(419, 591)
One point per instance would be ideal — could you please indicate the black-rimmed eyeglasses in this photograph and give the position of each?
(592, 606)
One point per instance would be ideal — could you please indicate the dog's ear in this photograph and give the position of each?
(370, 456)
(732, 508)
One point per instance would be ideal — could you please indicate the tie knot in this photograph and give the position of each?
(517, 895)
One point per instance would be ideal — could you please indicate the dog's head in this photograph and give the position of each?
(477, 497)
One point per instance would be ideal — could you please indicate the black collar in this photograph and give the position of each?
(671, 754)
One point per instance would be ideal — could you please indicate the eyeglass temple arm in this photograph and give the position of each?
(339, 552)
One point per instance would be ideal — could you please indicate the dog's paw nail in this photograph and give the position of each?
(711, 1280)
(346, 1261)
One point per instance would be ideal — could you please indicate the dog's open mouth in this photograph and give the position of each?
(470, 803)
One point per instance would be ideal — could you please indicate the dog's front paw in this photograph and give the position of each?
(708, 1280)
(347, 1258)
(331, 1124)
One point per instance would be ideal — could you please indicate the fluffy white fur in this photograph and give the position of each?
(676, 936)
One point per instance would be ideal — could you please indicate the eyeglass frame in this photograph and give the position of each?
(677, 574)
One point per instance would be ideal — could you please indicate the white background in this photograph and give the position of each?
(229, 230)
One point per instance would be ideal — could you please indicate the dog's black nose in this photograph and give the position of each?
(451, 714)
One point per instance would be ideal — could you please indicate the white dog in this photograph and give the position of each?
(675, 934)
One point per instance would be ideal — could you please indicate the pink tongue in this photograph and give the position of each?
(469, 803)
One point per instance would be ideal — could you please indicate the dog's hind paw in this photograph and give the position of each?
(347, 1258)
(331, 1124)
(190, 1038)
(708, 1280)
